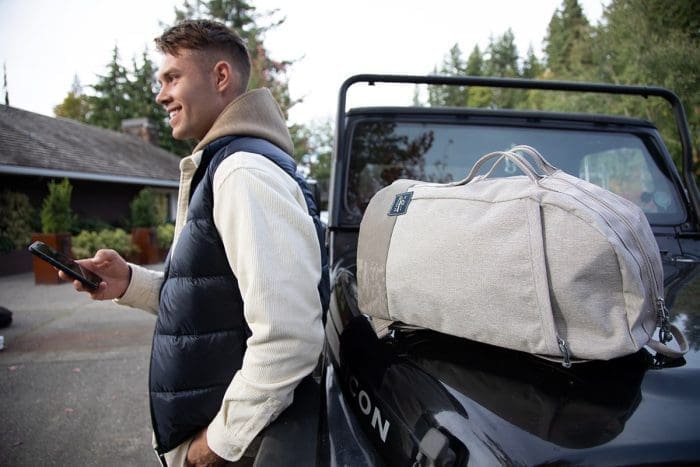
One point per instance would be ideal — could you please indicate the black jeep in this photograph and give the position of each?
(421, 398)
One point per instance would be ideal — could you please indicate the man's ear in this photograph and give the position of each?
(225, 77)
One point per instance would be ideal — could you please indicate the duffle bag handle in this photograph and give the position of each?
(516, 159)
(539, 159)
(664, 349)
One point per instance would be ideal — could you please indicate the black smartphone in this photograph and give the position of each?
(88, 278)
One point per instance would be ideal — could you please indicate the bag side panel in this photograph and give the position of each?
(587, 289)
(627, 229)
(463, 267)
(372, 248)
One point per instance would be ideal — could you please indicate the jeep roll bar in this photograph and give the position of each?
(515, 83)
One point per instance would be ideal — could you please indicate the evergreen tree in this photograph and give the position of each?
(453, 65)
(502, 56)
(475, 63)
(111, 102)
(502, 62)
(142, 91)
(532, 68)
(244, 18)
(640, 42)
(119, 95)
(476, 66)
(568, 41)
(122, 94)
(654, 42)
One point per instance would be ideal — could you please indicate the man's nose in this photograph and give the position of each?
(162, 97)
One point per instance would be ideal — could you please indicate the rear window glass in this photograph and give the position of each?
(382, 152)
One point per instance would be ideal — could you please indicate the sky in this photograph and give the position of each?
(44, 44)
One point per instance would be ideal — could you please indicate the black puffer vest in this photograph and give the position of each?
(200, 335)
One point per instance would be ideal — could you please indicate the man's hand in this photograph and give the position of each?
(199, 454)
(113, 270)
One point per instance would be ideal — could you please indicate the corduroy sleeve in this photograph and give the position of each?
(143, 290)
(271, 245)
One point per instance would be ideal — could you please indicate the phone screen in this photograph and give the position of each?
(66, 264)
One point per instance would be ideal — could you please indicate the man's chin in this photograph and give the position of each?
(178, 135)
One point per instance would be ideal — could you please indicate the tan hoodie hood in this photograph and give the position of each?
(255, 113)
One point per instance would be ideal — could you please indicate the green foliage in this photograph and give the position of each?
(301, 140)
(16, 220)
(90, 223)
(87, 242)
(121, 94)
(475, 63)
(452, 65)
(144, 209)
(252, 24)
(314, 154)
(111, 101)
(165, 234)
(657, 43)
(639, 42)
(76, 105)
(503, 56)
(319, 157)
(500, 59)
(568, 41)
(56, 213)
(124, 93)
(532, 68)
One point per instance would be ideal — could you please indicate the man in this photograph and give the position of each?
(239, 304)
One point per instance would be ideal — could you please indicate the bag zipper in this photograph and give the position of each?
(656, 298)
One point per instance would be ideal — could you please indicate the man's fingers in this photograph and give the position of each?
(99, 292)
(65, 277)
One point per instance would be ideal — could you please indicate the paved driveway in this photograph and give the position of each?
(73, 379)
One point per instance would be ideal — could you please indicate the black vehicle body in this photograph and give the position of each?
(421, 398)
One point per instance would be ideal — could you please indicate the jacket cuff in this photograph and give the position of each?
(231, 442)
(220, 442)
(144, 289)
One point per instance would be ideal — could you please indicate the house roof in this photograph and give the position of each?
(34, 144)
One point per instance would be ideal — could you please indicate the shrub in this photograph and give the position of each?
(90, 223)
(144, 209)
(87, 242)
(164, 235)
(56, 214)
(15, 221)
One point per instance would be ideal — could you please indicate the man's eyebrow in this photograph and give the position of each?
(165, 73)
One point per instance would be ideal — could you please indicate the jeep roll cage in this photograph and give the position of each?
(691, 190)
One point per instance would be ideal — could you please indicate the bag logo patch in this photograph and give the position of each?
(401, 203)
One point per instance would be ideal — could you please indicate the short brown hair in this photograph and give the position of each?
(205, 35)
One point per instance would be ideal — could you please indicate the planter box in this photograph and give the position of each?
(146, 241)
(44, 273)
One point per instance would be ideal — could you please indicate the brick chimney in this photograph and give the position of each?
(141, 128)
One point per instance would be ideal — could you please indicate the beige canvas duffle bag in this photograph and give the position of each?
(544, 263)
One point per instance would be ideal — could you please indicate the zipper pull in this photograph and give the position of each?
(566, 353)
(663, 321)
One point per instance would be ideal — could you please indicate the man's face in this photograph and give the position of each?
(188, 93)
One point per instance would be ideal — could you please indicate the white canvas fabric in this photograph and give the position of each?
(547, 264)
